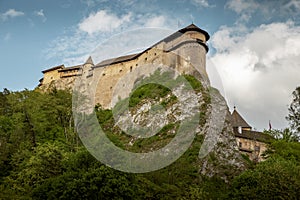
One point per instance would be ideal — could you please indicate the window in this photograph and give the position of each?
(120, 70)
(240, 144)
(130, 68)
(103, 74)
(146, 59)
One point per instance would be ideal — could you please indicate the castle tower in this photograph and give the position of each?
(190, 48)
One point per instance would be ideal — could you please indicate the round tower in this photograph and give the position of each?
(189, 45)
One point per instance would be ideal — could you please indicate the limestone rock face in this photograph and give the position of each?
(218, 155)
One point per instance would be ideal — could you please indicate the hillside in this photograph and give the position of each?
(42, 156)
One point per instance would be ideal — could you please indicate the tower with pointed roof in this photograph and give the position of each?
(238, 122)
(251, 143)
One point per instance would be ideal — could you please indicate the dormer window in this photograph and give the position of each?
(240, 130)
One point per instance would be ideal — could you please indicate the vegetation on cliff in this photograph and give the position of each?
(41, 157)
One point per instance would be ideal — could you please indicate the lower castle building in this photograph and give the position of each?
(184, 51)
(251, 143)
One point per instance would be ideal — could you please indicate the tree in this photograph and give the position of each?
(294, 112)
(285, 135)
(275, 178)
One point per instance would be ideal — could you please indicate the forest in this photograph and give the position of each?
(42, 157)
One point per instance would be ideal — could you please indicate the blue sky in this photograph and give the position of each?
(254, 46)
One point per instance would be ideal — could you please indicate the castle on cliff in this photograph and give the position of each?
(184, 51)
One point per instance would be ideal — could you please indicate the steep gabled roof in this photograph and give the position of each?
(237, 120)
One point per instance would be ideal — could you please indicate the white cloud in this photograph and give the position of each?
(156, 21)
(11, 13)
(40, 14)
(75, 45)
(103, 21)
(240, 6)
(244, 8)
(201, 3)
(259, 69)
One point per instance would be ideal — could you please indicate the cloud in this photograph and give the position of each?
(264, 8)
(41, 14)
(292, 6)
(103, 21)
(156, 21)
(11, 13)
(240, 6)
(259, 69)
(244, 8)
(76, 44)
(201, 3)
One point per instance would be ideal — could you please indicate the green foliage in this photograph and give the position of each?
(286, 150)
(148, 91)
(294, 112)
(285, 135)
(86, 178)
(41, 156)
(275, 178)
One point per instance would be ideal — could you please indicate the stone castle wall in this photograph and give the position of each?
(185, 53)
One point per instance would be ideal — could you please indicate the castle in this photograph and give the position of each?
(184, 51)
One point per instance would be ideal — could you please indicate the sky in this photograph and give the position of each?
(254, 56)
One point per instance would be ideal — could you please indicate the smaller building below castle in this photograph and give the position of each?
(251, 143)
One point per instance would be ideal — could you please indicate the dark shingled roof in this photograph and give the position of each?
(53, 68)
(253, 135)
(191, 27)
(237, 120)
(117, 60)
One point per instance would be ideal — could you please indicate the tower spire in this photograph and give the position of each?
(89, 61)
